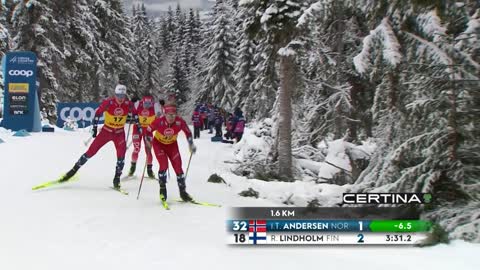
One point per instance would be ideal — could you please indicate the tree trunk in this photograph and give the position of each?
(452, 120)
(287, 70)
(352, 124)
(339, 59)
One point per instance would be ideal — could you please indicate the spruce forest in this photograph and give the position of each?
(315, 78)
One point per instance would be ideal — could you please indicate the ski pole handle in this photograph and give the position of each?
(87, 141)
(129, 144)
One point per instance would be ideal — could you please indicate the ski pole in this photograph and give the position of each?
(148, 146)
(141, 181)
(188, 166)
(168, 172)
(89, 139)
(128, 132)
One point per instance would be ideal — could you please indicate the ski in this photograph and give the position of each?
(164, 203)
(199, 203)
(55, 182)
(128, 177)
(133, 177)
(124, 192)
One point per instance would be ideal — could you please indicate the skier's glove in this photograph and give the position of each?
(94, 131)
(191, 146)
(148, 142)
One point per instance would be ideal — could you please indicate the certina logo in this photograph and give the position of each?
(23, 73)
(118, 111)
(386, 198)
(169, 132)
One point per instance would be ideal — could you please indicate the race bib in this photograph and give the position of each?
(168, 138)
(145, 121)
(115, 121)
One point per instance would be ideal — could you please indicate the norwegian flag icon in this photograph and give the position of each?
(257, 232)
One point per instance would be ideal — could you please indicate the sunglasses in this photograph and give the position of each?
(147, 103)
(120, 95)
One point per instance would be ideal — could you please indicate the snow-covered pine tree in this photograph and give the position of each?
(145, 51)
(333, 40)
(35, 28)
(140, 24)
(116, 44)
(199, 26)
(4, 44)
(177, 79)
(277, 21)
(133, 17)
(218, 82)
(164, 35)
(191, 44)
(180, 25)
(262, 92)
(419, 128)
(4, 33)
(245, 67)
(171, 26)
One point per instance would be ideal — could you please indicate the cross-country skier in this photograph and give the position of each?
(165, 146)
(146, 112)
(115, 110)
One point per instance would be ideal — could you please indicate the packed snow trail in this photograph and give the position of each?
(86, 225)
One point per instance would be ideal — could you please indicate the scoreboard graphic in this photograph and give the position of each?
(326, 226)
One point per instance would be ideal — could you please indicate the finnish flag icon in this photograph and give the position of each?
(257, 232)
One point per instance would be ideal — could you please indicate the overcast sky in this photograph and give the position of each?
(154, 6)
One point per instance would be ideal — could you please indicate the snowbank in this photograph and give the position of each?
(339, 157)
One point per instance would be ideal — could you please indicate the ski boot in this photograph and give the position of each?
(182, 187)
(162, 180)
(150, 171)
(83, 159)
(133, 167)
(116, 182)
(118, 172)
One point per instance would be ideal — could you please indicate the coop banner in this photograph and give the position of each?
(81, 113)
(21, 110)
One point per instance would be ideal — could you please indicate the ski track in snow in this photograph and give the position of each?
(86, 225)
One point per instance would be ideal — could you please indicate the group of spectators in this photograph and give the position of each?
(212, 118)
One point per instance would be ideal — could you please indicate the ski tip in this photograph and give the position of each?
(120, 190)
(199, 203)
(165, 205)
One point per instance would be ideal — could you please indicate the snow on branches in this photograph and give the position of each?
(385, 37)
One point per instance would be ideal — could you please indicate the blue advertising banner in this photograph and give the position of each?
(21, 109)
(82, 113)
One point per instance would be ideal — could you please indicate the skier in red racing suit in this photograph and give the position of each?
(164, 143)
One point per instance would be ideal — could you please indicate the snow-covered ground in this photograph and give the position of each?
(86, 225)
